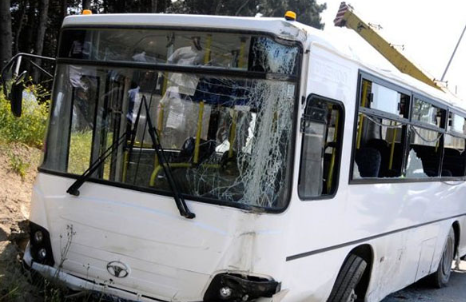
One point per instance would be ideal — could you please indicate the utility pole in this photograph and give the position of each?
(453, 54)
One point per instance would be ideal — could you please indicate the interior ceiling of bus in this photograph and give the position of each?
(220, 45)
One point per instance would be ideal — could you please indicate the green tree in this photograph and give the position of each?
(307, 11)
(41, 27)
(22, 21)
(6, 36)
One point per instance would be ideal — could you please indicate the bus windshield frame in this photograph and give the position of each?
(82, 76)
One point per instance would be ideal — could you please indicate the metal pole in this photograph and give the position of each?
(452, 55)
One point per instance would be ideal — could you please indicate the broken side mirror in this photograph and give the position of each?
(12, 83)
(16, 94)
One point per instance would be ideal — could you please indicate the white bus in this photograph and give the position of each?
(206, 158)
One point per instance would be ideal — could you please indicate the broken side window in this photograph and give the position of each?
(427, 136)
(454, 143)
(381, 130)
(321, 126)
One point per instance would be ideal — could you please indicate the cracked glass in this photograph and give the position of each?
(224, 137)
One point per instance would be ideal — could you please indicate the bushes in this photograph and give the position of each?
(28, 129)
(18, 164)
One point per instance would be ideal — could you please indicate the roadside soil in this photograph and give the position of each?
(15, 196)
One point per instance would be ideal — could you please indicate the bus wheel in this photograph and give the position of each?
(348, 278)
(441, 277)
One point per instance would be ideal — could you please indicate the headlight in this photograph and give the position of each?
(38, 236)
(225, 293)
(233, 287)
(42, 253)
(41, 248)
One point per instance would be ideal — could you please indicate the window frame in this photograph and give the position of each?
(444, 129)
(456, 135)
(339, 147)
(208, 70)
(427, 125)
(296, 79)
(378, 113)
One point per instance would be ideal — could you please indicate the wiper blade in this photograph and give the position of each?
(74, 188)
(179, 200)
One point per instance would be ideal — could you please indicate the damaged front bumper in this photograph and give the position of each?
(80, 284)
(233, 287)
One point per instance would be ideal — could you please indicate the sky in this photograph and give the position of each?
(429, 31)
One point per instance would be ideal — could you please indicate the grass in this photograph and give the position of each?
(80, 151)
(18, 165)
(18, 284)
(28, 129)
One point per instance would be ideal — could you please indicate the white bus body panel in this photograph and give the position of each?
(383, 214)
(174, 259)
(315, 224)
(170, 257)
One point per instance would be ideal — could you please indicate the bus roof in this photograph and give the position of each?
(272, 25)
(279, 26)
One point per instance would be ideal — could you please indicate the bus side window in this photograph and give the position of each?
(321, 126)
(454, 144)
(383, 117)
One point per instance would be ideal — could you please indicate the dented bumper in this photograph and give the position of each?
(80, 284)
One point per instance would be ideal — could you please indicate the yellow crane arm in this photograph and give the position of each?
(346, 17)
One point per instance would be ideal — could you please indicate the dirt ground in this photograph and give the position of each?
(15, 192)
(15, 195)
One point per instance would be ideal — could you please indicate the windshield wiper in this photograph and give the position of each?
(179, 200)
(74, 188)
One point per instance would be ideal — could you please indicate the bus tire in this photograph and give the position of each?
(347, 280)
(441, 277)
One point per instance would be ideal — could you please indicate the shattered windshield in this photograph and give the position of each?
(230, 51)
(225, 137)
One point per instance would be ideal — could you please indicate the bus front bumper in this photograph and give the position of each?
(79, 284)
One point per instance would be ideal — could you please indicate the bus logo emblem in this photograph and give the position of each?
(118, 269)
